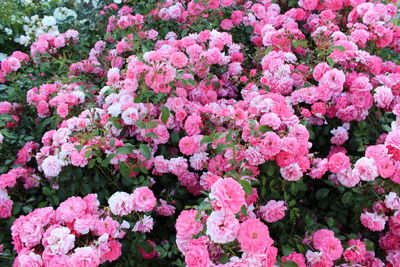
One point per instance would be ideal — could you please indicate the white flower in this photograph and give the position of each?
(61, 241)
(4, 195)
(49, 21)
(8, 31)
(51, 166)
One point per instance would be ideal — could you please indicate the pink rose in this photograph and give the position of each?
(143, 199)
(229, 195)
(197, 256)
(273, 211)
(338, 162)
(85, 256)
(254, 236)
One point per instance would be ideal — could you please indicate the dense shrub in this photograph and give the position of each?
(202, 133)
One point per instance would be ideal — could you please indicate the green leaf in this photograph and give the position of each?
(206, 140)
(205, 206)
(264, 128)
(286, 250)
(340, 48)
(107, 160)
(151, 135)
(330, 62)
(16, 208)
(243, 210)
(331, 222)
(346, 198)
(290, 264)
(112, 142)
(165, 113)
(87, 154)
(269, 49)
(145, 151)
(322, 193)
(246, 186)
(46, 191)
(127, 149)
(124, 169)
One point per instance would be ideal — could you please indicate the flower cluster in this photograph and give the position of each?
(252, 134)
(77, 233)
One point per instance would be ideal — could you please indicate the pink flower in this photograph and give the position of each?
(179, 60)
(254, 236)
(71, 209)
(113, 251)
(60, 240)
(254, 156)
(62, 110)
(6, 204)
(144, 225)
(338, 162)
(229, 195)
(121, 203)
(348, 177)
(143, 199)
(373, 221)
(148, 255)
(222, 228)
(188, 145)
(365, 168)
(197, 256)
(270, 145)
(309, 4)
(84, 257)
(298, 258)
(392, 201)
(383, 96)
(165, 209)
(193, 125)
(226, 3)
(291, 172)
(30, 234)
(51, 166)
(273, 211)
(186, 224)
(334, 80)
(329, 245)
(31, 259)
(340, 135)
(355, 252)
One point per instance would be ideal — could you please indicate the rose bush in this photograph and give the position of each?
(204, 133)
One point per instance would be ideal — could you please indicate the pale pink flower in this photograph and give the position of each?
(273, 211)
(373, 221)
(144, 225)
(222, 228)
(121, 203)
(229, 195)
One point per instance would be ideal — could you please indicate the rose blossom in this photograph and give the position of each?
(273, 211)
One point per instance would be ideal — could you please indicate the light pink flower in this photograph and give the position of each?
(222, 228)
(229, 195)
(273, 211)
(85, 256)
(186, 224)
(143, 199)
(373, 221)
(121, 203)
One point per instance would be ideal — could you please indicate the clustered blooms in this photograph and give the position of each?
(49, 43)
(225, 120)
(61, 235)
